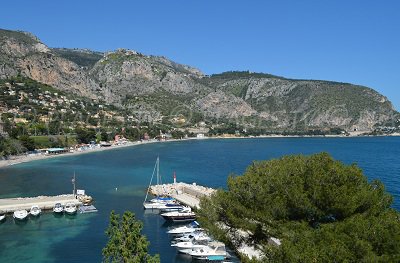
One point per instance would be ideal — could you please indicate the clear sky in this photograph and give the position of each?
(356, 41)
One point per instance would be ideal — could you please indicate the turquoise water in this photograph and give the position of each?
(117, 179)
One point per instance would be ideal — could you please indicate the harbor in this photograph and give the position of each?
(187, 194)
(10, 205)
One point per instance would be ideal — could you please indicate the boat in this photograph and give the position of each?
(20, 214)
(158, 201)
(197, 236)
(187, 229)
(2, 217)
(58, 208)
(215, 250)
(169, 207)
(193, 244)
(35, 210)
(70, 208)
(185, 215)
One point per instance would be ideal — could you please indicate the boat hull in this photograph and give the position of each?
(180, 218)
(20, 215)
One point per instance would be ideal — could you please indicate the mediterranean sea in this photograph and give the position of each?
(117, 180)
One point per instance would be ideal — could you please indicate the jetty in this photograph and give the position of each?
(188, 194)
(9, 205)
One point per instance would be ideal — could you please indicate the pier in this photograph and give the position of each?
(9, 205)
(188, 194)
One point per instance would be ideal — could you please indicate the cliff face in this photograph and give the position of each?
(21, 53)
(154, 87)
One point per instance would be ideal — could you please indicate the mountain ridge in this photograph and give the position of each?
(152, 85)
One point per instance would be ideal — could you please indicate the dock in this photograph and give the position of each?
(9, 205)
(188, 194)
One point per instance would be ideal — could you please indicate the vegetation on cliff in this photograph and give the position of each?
(321, 209)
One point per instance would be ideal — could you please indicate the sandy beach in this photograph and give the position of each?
(29, 158)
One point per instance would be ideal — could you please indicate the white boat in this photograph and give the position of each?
(187, 229)
(2, 217)
(170, 207)
(70, 208)
(197, 236)
(20, 214)
(193, 244)
(35, 210)
(159, 201)
(184, 215)
(214, 250)
(58, 208)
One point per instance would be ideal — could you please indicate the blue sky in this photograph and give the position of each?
(349, 41)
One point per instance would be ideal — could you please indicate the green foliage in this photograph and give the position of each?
(83, 58)
(321, 209)
(85, 135)
(243, 74)
(126, 243)
(27, 142)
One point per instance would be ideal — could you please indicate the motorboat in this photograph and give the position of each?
(70, 208)
(2, 217)
(184, 215)
(163, 200)
(20, 214)
(35, 210)
(214, 250)
(195, 236)
(170, 207)
(152, 204)
(58, 208)
(187, 229)
(193, 244)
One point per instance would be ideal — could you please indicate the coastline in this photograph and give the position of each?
(29, 158)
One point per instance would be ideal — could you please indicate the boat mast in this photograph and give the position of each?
(158, 171)
(73, 183)
(151, 180)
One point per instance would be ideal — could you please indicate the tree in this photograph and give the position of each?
(126, 243)
(27, 142)
(85, 135)
(321, 209)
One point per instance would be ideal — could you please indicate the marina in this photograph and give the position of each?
(129, 169)
(187, 194)
(10, 205)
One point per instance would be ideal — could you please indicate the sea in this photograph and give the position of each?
(117, 180)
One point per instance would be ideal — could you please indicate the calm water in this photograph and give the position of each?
(117, 180)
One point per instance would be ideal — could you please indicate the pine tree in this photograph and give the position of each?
(126, 243)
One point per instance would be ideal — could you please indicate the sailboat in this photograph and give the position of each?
(159, 201)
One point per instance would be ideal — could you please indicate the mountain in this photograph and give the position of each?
(152, 88)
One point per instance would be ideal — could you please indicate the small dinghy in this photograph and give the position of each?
(20, 214)
(70, 208)
(35, 210)
(58, 208)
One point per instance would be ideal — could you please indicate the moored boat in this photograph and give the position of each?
(170, 207)
(70, 208)
(187, 229)
(58, 208)
(212, 251)
(35, 210)
(197, 236)
(193, 244)
(161, 200)
(20, 214)
(185, 215)
(2, 217)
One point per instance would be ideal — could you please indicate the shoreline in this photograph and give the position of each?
(17, 159)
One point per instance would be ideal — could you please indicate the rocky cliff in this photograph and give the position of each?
(154, 87)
